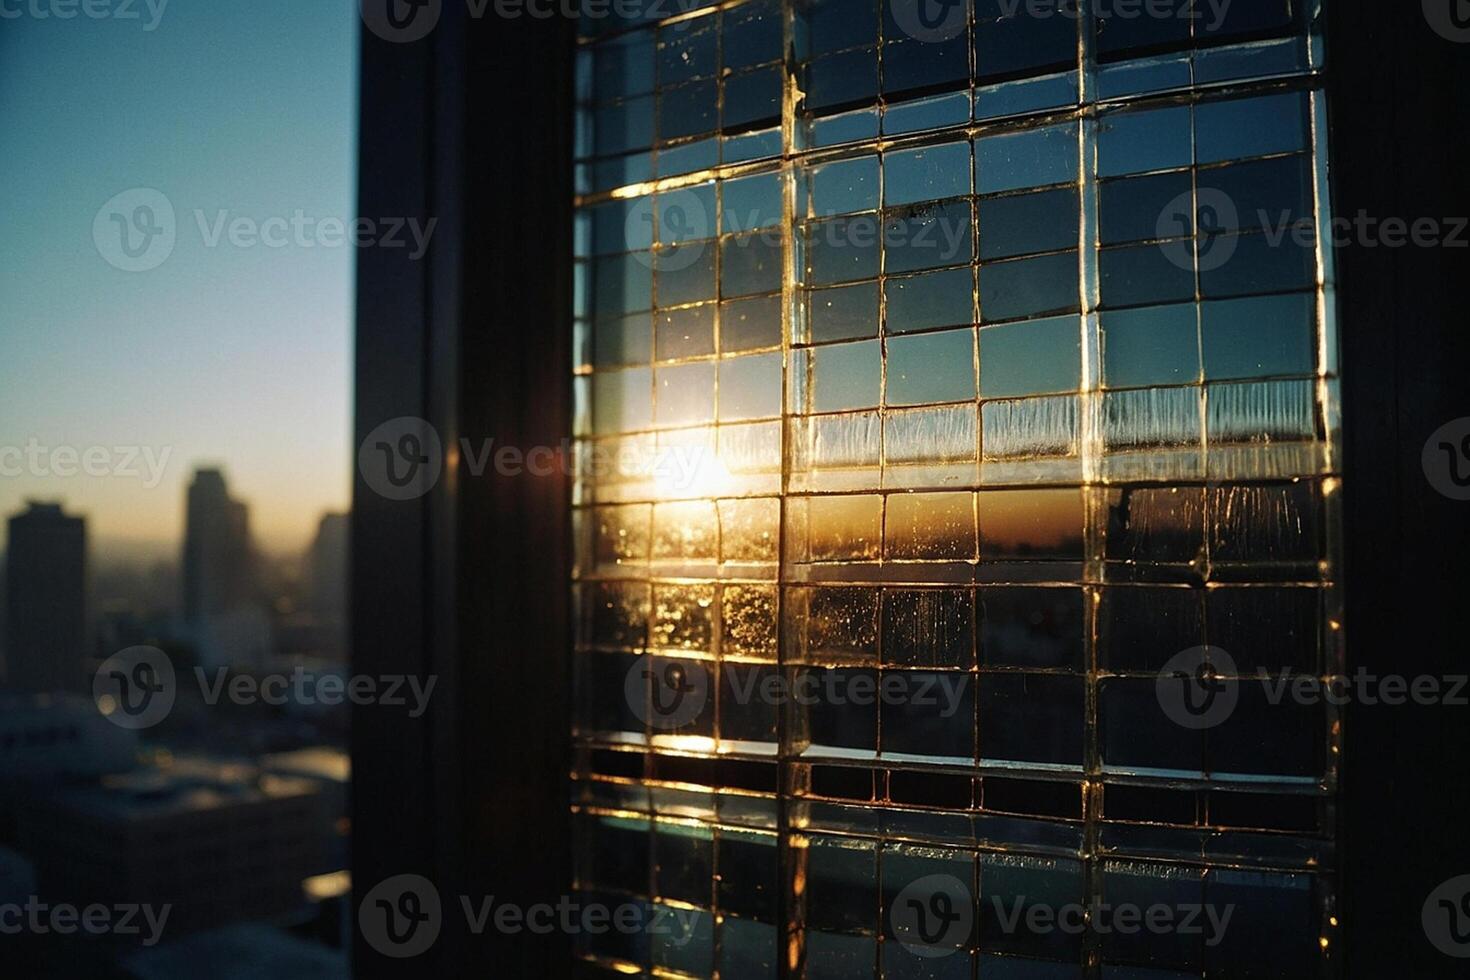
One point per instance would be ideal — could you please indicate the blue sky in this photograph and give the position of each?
(227, 354)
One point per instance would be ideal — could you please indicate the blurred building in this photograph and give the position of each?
(330, 770)
(17, 878)
(60, 738)
(239, 952)
(219, 842)
(327, 570)
(222, 612)
(46, 600)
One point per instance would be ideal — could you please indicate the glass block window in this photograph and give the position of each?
(957, 485)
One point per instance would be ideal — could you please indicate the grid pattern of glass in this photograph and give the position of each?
(957, 441)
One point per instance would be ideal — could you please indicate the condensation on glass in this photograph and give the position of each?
(993, 358)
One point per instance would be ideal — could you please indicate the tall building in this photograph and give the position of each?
(222, 613)
(327, 574)
(219, 842)
(45, 600)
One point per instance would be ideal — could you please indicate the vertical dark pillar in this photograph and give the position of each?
(1398, 107)
(469, 126)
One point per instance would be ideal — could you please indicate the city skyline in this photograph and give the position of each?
(224, 352)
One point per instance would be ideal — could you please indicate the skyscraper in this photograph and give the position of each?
(221, 612)
(328, 579)
(46, 599)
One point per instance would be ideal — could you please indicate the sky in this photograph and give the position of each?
(118, 376)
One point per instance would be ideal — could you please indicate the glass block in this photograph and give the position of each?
(845, 186)
(750, 387)
(1031, 627)
(930, 526)
(750, 264)
(843, 249)
(622, 533)
(928, 716)
(1156, 524)
(1027, 524)
(841, 623)
(926, 174)
(1141, 627)
(1032, 358)
(1038, 431)
(1029, 428)
(1022, 224)
(749, 529)
(929, 435)
(845, 376)
(845, 528)
(936, 367)
(619, 614)
(1028, 287)
(748, 621)
(1259, 337)
(838, 719)
(684, 394)
(928, 627)
(927, 236)
(1151, 346)
(1236, 128)
(924, 302)
(842, 313)
(1140, 142)
(1010, 886)
(750, 324)
(1264, 522)
(842, 885)
(682, 616)
(1033, 158)
(1008, 42)
(689, 332)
